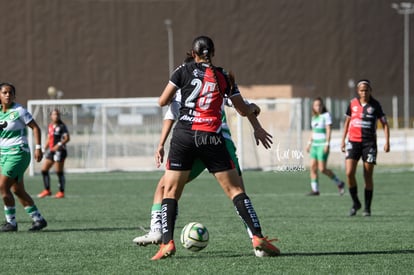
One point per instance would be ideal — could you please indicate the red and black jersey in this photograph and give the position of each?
(201, 100)
(56, 133)
(364, 118)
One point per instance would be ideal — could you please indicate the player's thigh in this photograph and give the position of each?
(350, 167)
(59, 166)
(47, 164)
(231, 148)
(174, 182)
(313, 165)
(229, 182)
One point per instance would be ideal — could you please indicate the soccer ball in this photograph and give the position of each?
(194, 236)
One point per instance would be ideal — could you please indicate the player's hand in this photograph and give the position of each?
(264, 137)
(386, 147)
(343, 147)
(38, 155)
(159, 155)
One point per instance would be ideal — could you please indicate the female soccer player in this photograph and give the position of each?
(361, 128)
(154, 236)
(15, 158)
(55, 148)
(318, 146)
(197, 135)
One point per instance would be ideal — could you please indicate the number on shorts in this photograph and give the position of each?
(370, 158)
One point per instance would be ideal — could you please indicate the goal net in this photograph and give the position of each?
(123, 134)
(282, 118)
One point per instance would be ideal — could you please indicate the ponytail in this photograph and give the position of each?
(207, 56)
(203, 46)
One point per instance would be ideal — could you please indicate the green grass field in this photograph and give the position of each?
(91, 230)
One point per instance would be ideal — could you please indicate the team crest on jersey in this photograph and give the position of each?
(355, 108)
(198, 73)
(370, 110)
(13, 115)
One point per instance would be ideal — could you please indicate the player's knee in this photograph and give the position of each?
(350, 174)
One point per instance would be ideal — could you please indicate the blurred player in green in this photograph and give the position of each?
(318, 147)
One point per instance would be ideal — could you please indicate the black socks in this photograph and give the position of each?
(247, 213)
(169, 210)
(46, 179)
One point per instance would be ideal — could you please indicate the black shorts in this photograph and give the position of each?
(366, 149)
(58, 156)
(210, 148)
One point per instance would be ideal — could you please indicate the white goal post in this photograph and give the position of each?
(123, 133)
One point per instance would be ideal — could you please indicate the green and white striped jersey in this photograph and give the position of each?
(319, 123)
(13, 129)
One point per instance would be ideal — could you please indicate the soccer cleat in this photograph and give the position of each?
(260, 253)
(366, 213)
(263, 244)
(341, 188)
(59, 195)
(38, 225)
(354, 209)
(44, 193)
(166, 250)
(152, 237)
(313, 193)
(8, 227)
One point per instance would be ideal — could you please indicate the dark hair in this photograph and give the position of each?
(203, 46)
(324, 110)
(364, 81)
(58, 113)
(13, 89)
(188, 57)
